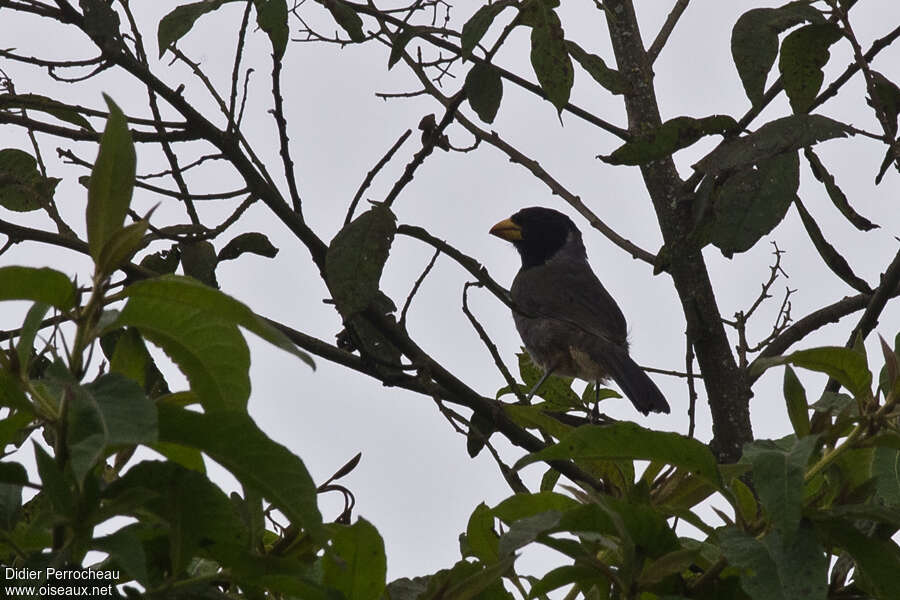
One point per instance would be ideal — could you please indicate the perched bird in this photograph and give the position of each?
(569, 323)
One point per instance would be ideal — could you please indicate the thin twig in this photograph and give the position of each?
(371, 175)
(416, 286)
(666, 30)
(692, 390)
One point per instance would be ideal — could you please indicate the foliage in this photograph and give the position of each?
(813, 515)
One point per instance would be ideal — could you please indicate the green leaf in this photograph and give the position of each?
(630, 441)
(797, 405)
(484, 90)
(60, 110)
(53, 483)
(25, 346)
(877, 559)
(566, 575)
(609, 78)
(13, 472)
(744, 501)
(197, 326)
(199, 515)
(550, 56)
(481, 535)
(257, 462)
(478, 24)
(847, 366)
(129, 417)
(40, 285)
(524, 531)
(85, 433)
(358, 570)
(252, 242)
(521, 506)
(177, 23)
(751, 202)
(803, 54)
(112, 181)
(272, 17)
(22, 186)
(10, 503)
(776, 569)
(671, 136)
(347, 18)
(126, 551)
(774, 138)
(754, 42)
(886, 468)
(778, 477)
(121, 246)
(356, 257)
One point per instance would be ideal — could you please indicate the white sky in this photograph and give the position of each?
(415, 482)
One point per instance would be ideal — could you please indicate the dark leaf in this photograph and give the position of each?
(122, 246)
(347, 18)
(399, 45)
(751, 202)
(10, 503)
(357, 565)
(884, 96)
(830, 256)
(112, 181)
(163, 262)
(60, 110)
(126, 550)
(877, 559)
(356, 257)
(521, 506)
(773, 138)
(609, 78)
(484, 89)
(481, 428)
(671, 136)
(803, 54)
(481, 535)
(754, 41)
(550, 56)
(30, 327)
(478, 24)
(198, 259)
(22, 186)
(253, 242)
(177, 23)
(272, 17)
(838, 198)
(54, 485)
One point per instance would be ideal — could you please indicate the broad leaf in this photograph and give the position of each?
(22, 186)
(609, 78)
(112, 181)
(356, 257)
(40, 285)
(478, 24)
(630, 441)
(751, 202)
(177, 23)
(550, 56)
(847, 366)
(671, 136)
(797, 405)
(258, 462)
(347, 18)
(877, 559)
(481, 535)
(803, 54)
(272, 17)
(773, 138)
(484, 89)
(252, 242)
(835, 193)
(357, 565)
(754, 41)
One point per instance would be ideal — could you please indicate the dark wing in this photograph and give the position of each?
(570, 292)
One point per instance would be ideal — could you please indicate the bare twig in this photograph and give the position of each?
(666, 30)
(416, 286)
(371, 174)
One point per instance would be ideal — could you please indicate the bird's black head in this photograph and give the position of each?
(538, 233)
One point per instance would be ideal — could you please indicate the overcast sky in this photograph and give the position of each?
(415, 482)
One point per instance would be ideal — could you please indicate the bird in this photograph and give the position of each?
(570, 325)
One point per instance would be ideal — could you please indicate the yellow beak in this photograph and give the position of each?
(507, 230)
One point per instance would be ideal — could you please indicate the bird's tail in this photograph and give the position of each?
(638, 387)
